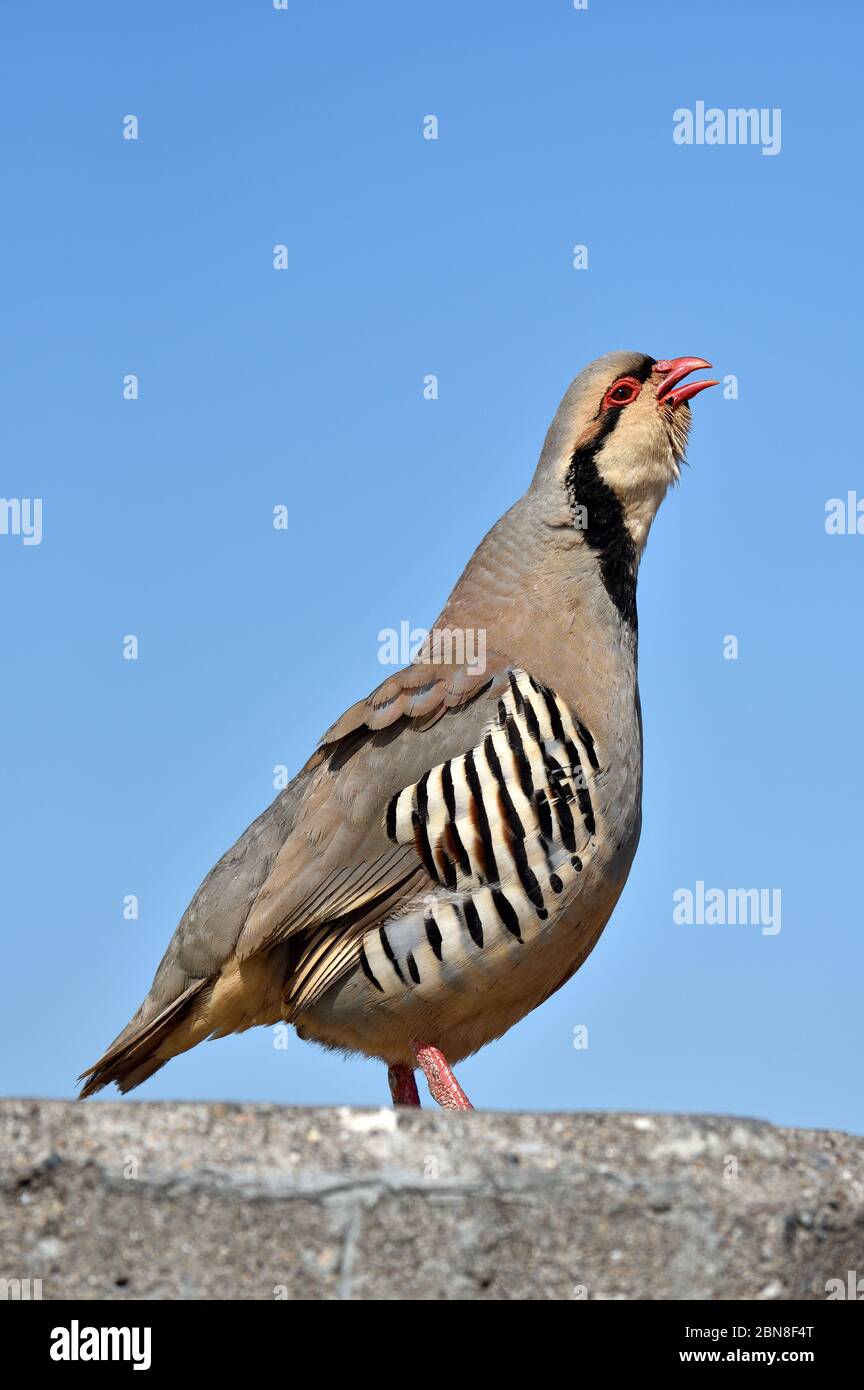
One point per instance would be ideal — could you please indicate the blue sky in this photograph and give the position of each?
(304, 388)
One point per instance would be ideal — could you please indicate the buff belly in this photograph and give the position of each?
(475, 992)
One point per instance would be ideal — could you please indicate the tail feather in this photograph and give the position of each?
(135, 1053)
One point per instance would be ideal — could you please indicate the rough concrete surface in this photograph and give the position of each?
(140, 1201)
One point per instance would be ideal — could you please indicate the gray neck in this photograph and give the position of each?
(539, 593)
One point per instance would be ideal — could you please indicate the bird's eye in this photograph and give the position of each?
(622, 392)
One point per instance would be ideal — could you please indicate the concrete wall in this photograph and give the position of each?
(119, 1200)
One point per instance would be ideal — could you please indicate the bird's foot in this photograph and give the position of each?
(443, 1085)
(403, 1087)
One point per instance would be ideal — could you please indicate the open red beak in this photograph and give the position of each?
(674, 370)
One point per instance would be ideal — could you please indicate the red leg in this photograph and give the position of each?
(403, 1087)
(442, 1083)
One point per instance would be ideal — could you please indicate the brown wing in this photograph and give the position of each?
(338, 866)
(303, 880)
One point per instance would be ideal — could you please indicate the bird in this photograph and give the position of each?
(450, 853)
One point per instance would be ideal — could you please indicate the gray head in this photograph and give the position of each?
(615, 445)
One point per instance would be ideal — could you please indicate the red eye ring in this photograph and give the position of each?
(622, 392)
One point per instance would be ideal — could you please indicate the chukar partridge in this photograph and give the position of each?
(451, 852)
